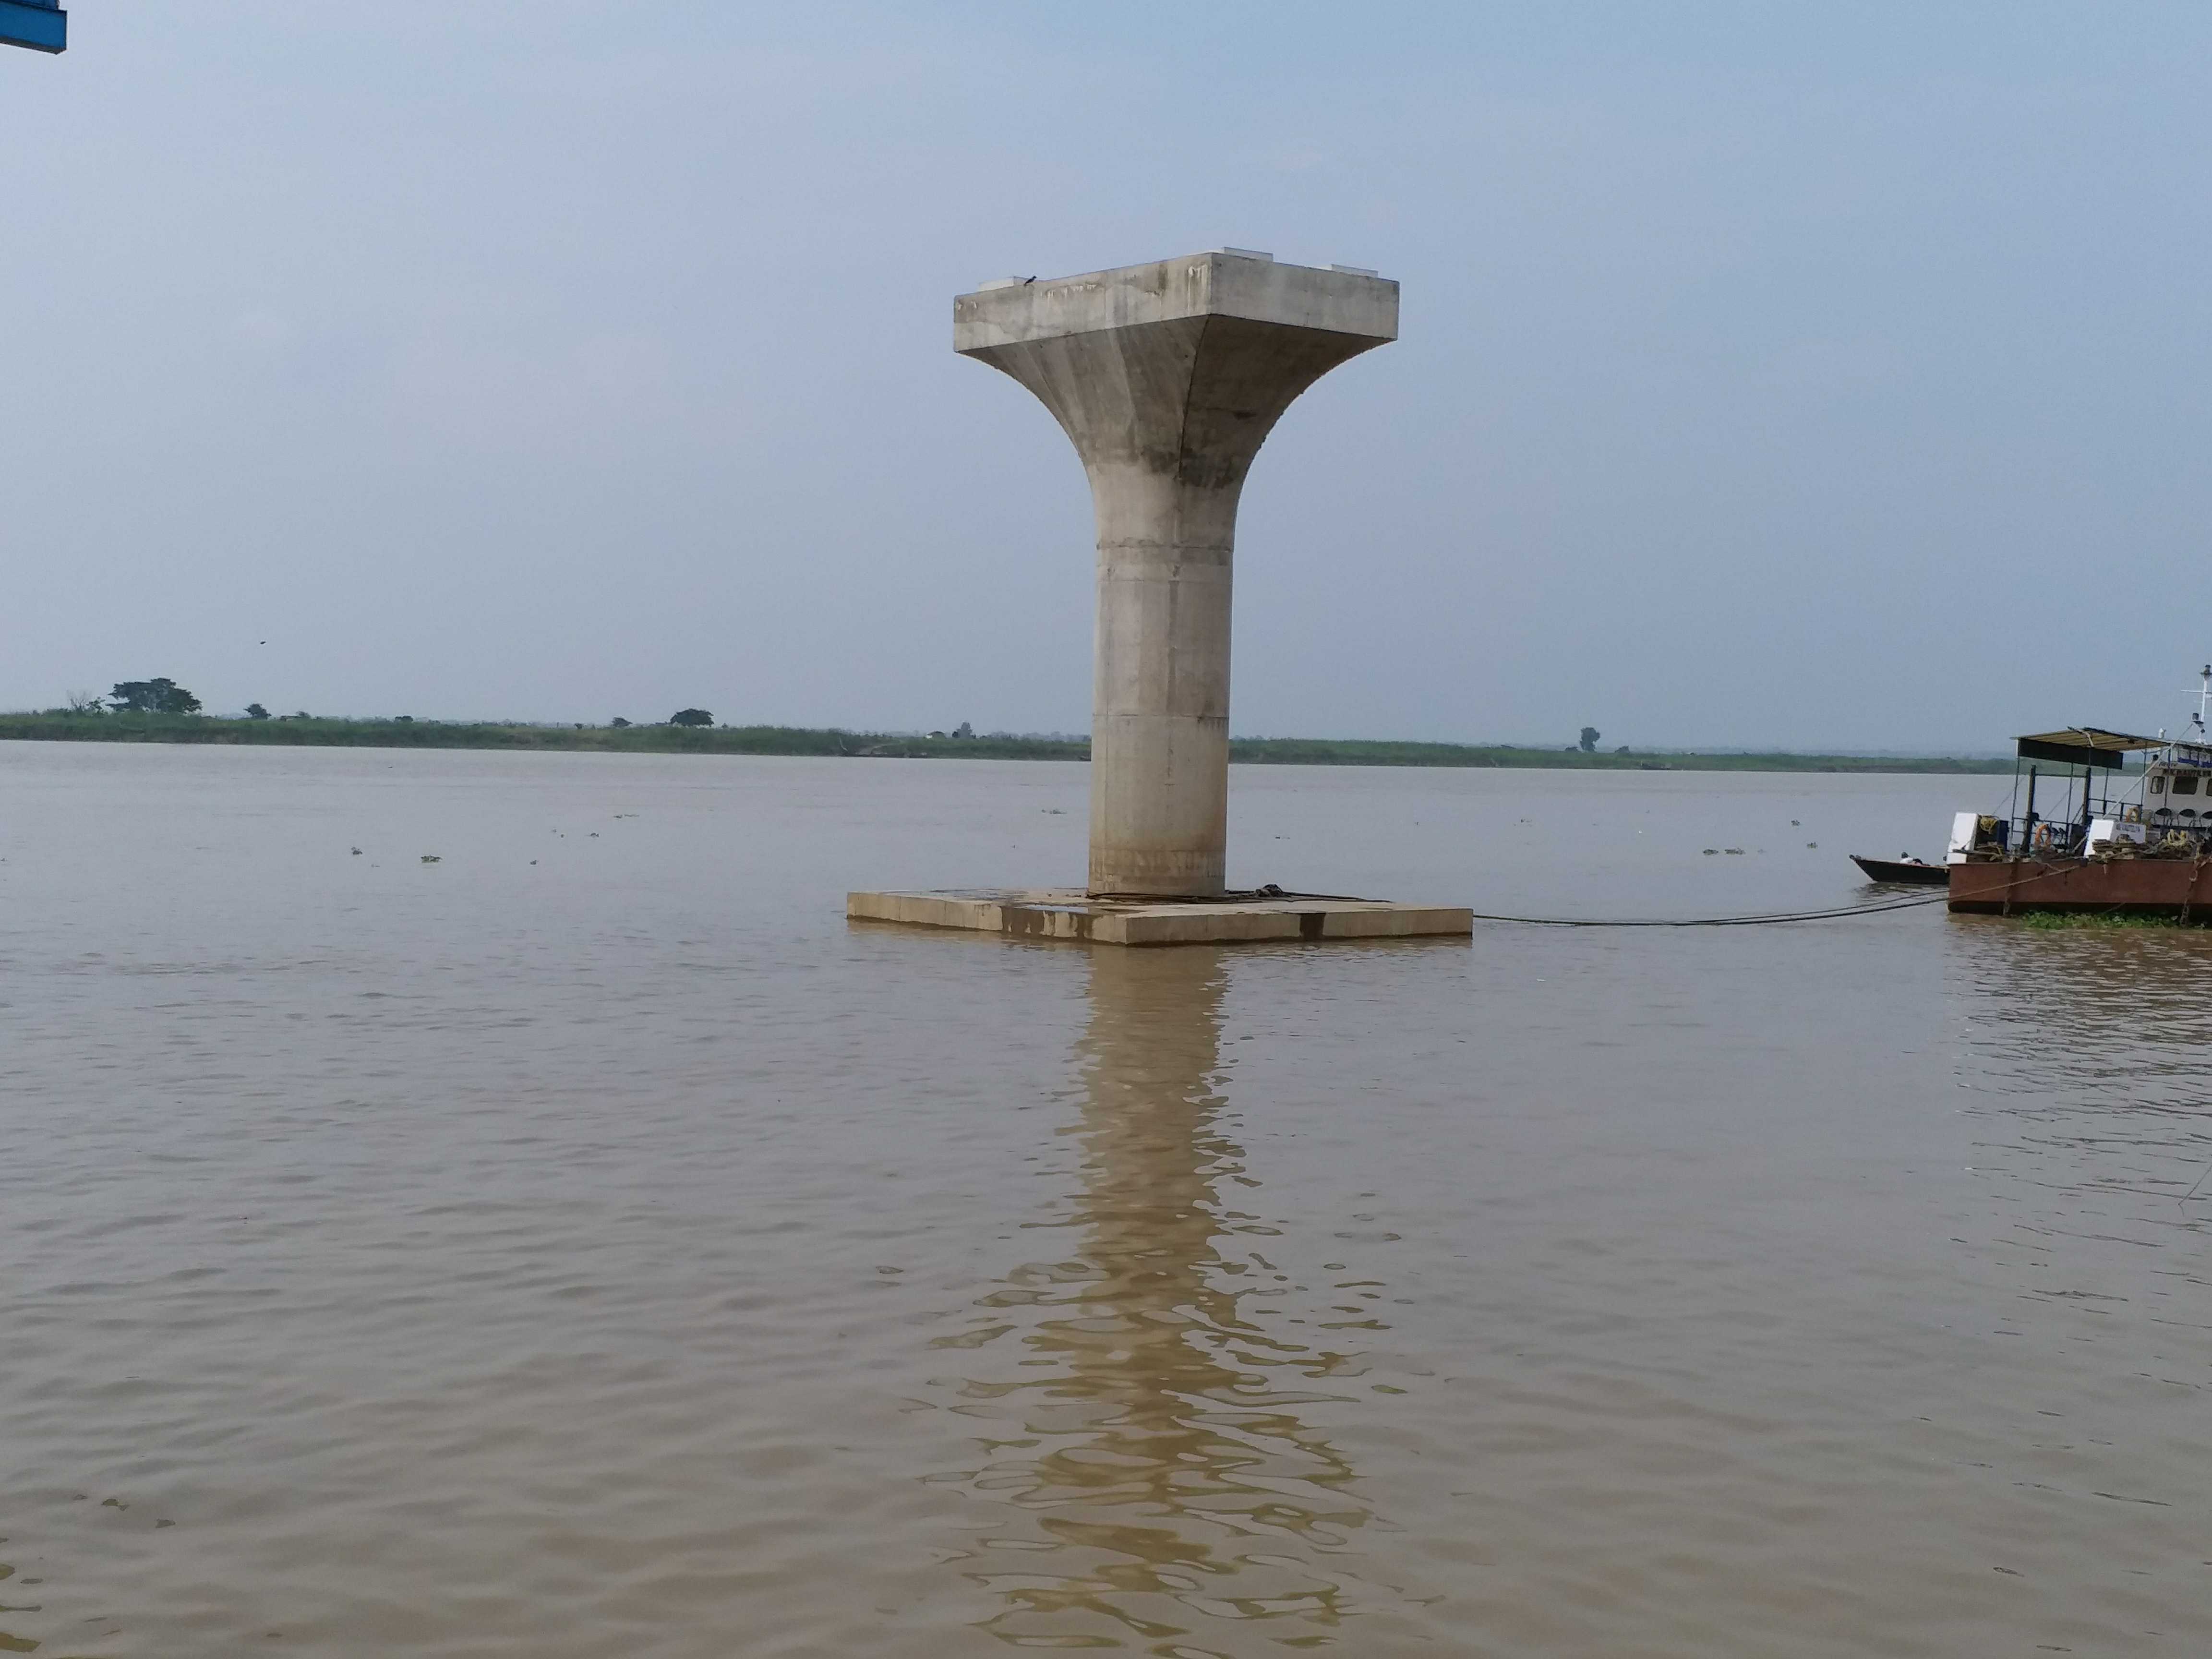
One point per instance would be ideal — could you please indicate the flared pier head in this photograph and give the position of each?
(1167, 378)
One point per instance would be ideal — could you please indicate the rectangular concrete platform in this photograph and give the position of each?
(1067, 912)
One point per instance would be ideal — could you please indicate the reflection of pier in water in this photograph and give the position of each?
(1158, 1476)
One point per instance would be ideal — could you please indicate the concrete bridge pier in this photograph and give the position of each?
(1167, 378)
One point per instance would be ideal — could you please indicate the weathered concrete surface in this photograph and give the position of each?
(1167, 378)
(1063, 913)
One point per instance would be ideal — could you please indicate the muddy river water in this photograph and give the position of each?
(589, 1243)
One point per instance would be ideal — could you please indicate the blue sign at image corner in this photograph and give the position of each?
(41, 25)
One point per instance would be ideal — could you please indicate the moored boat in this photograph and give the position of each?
(2126, 840)
(1904, 871)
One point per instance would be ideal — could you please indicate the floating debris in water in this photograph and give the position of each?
(356, 851)
(1712, 852)
(430, 857)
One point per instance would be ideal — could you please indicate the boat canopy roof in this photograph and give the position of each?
(2085, 745)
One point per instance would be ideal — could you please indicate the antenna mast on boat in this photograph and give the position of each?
(2203, 699)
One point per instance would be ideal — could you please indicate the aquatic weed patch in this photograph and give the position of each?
(2055, 921)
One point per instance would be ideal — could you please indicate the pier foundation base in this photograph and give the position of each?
(1067, 912)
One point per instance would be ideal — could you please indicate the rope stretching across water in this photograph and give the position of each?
(1882, 908)
(1271, 891)
(1727, 922)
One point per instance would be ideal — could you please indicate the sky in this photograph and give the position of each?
(1817, 377)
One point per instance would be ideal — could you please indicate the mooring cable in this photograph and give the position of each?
(1723, 921)
(1881, 908)
(1272, 892)
(1839, 914)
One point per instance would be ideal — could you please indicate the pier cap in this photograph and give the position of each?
(1251, 287)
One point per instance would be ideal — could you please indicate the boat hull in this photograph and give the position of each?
(1903, 872)
(2181, 888)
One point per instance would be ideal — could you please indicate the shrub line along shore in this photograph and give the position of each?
(298, 730)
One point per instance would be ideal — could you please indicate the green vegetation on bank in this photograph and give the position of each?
(404, 732)
(2064, 921)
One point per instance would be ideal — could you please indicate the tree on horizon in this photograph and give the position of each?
(155, 697)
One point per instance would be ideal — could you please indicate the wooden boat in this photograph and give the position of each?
(1908, 871)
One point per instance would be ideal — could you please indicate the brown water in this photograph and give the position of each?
(591, 1244)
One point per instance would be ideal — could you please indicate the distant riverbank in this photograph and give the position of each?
(807, 740)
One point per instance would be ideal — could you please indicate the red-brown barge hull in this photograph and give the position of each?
(2181, 888)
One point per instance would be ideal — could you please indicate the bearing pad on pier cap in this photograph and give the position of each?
(1167, 378)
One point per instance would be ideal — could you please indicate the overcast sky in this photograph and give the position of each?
(1796, 375)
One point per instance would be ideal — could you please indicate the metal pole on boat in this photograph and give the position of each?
(2027, 827)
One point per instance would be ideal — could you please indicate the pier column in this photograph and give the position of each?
(1167, 378)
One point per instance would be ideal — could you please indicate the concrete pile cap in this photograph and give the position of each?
(1070, 914)
(1252, 287)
